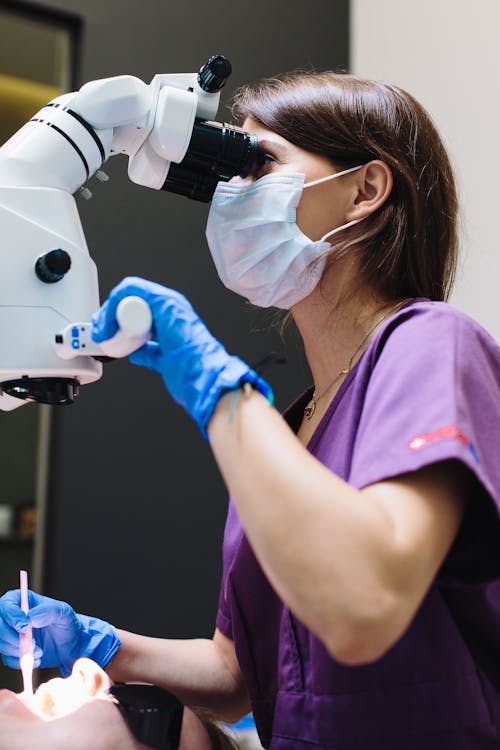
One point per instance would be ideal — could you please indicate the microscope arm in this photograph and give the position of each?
(151, 124)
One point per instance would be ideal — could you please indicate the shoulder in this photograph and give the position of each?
(426, 316)
(426, 329)
(429, 392)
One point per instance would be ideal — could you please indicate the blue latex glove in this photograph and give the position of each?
(195, 367)
(60, 635)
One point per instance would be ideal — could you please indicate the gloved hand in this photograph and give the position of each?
(60, 635)
(195, 367)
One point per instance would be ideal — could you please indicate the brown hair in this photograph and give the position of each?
(408, 248)
(219, 740)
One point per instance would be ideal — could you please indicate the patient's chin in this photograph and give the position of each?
(61, 696)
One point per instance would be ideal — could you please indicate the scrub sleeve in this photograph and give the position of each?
(434, 395)
(426, 390)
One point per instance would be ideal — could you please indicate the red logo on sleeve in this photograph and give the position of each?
(451, 431)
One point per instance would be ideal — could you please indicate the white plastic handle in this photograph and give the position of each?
(134, 318)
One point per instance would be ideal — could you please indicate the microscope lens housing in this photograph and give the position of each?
(216, 151)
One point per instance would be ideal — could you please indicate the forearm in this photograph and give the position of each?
(200, 672)
(326, 550)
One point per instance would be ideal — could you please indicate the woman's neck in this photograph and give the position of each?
(336, 330)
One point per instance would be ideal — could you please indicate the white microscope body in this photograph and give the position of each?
(49, 280)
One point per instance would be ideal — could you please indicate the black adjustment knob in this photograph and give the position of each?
(214, 74)
(53, 266)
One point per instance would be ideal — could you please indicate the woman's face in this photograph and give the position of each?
(322, 207)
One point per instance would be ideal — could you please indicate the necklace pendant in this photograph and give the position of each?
(310, 409)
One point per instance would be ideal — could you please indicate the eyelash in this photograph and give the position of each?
(268, 156)
(264, 163)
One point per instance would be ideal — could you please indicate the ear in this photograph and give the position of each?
(373, 187)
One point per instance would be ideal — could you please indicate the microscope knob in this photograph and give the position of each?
(53, 266)
(213, 75)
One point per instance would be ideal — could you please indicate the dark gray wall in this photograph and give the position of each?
(136, 503)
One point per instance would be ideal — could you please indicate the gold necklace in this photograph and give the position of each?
(311, 406)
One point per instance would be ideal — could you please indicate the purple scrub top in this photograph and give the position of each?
(426, 390)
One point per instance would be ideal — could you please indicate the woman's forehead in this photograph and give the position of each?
(263, 133)
(269, 140)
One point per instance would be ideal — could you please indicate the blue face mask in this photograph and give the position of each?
(257, 247)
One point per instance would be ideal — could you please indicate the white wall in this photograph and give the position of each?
(447, 54)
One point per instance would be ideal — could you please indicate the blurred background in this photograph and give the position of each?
(115, 504)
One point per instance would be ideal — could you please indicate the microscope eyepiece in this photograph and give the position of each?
(214, 74)
(199, 186)
(216, 151)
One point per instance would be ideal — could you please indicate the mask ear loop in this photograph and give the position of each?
(344, 226)
(332, 177)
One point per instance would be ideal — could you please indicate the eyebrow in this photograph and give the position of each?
(265, 144)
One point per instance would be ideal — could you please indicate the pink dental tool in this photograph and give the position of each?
(26, 639)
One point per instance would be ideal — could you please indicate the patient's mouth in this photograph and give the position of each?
(62, 696)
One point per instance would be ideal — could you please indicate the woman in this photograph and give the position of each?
(360, 603)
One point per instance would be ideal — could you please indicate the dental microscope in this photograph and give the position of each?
(49, 282)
